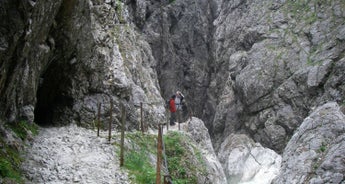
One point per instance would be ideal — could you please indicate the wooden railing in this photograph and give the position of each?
(160, 142)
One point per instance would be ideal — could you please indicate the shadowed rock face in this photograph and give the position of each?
(26, 47)
(256, 67)
(280, 62)
(60, 59)
(180, 34)
(42, 58)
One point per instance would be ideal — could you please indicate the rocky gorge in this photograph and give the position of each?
(266, 78)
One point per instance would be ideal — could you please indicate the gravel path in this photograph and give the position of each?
(72, 155)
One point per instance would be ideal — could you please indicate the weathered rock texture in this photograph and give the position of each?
(315, 153)
(252, 67)
(72, 154)
(60, 59)
(275, 61)
(256, 67)
(247, 162)
(214, 170)
(180, 34)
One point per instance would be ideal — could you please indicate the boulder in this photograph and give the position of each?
(316, 152)
(245, 161)
(198, 132)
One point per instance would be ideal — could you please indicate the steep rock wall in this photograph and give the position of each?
(276, 61)
(59, 60)
(254, 67)
(180, 34)
(25, 49)
(315, 153)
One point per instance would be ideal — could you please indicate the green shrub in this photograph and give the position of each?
(10, 159)
(323, 147)
(7, 170)
(184, 160)
(180, 158)
(139, 166)
(137, 158)
(21, 129)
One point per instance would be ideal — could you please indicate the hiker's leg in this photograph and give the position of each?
(172, 118)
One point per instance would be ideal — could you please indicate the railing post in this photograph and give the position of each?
(98, 118)
(111, 118)
(178, 119)
(168, 120)
(159, 155)
(141, 118)
(167, 179)
(123, 122)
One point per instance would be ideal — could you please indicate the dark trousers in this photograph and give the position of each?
(172, 118)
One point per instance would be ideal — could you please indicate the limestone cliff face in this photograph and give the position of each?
(276, 61)
(256, 67)
(315, 154)
(60, 59)
(180, 34)
(252, 67)
(25, 51)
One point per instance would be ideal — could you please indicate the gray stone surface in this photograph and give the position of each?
(66, 57)
(247, 162)
(199, 133)
(241, 64)
(275, 63)
(252, 67)
(315, 153)
(72, 154)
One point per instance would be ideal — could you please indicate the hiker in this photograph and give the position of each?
(179, 100)
(172, 108)
(179, 103)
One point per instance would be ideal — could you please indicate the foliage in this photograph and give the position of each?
(137, 160)
(181, 157)
(184, 160)
(322, 148)
(119, 10)
(305, 10)
(21, 129)
(139, 166)
(7, 170)
(10, 159)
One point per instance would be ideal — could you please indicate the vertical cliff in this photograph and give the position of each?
(60, 59)
(256, 67)
(252, 67)
(277, 61)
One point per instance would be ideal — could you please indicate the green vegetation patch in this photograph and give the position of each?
(22, 128)
(10, 162)
(185, 162)
(137, 157)
(306, 10)
(140, 167)
(8, 170)
(10, 159)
